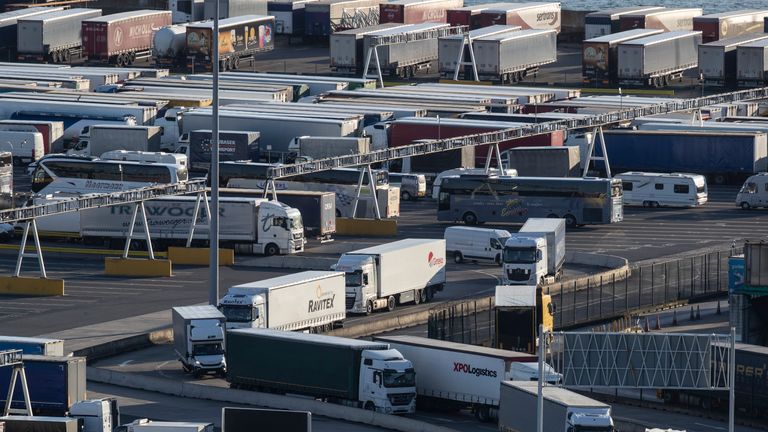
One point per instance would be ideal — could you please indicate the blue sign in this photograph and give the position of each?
(736, 273)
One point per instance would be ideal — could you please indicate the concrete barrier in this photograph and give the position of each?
(137, 267)
(199, 256)
(366, 227)
(126, 344)
(201, 391)
(31, 286)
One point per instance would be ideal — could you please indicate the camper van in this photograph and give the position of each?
(661, 189)
(754, 192)
(475, 244)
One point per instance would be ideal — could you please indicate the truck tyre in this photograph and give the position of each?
(458, 258)
(132, 58)
(423, 295)
(65, 56)
(369, 307)
(236, 63)
(271, 249)
(498, 260)
(430, 294)
(417, 297)
(745, 205)
(482, 414)
(369, 406)
(570, 221)
(405, 195)
(720, 179)
(391, 303)
(470, 218)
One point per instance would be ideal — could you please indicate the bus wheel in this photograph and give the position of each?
(570, 221)
(458, 257)
(745, 206)
(405, 196)
(271, 249)
(470, 218)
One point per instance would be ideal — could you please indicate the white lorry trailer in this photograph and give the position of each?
(535, 255)
(309, 300)
(23, 146)
(199, 339)
(104, 138)
(564, 410)
(454, 375)
(250, 225)
(410, 270)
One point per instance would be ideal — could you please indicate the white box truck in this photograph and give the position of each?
(535, 255)
(309, 300)
(199, 339)
(379, 277)
(454, 376)
(564, 410)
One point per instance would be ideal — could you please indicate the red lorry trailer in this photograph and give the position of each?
(533, 15)
(470, 15)
(121, 39)
(416, 11)
(729, 24)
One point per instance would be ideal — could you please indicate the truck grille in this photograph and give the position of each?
(517, 275)
(350, 302)
(401, 398)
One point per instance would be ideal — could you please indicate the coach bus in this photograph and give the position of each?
(476, 199)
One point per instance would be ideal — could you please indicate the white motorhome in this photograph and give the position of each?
(475, 244)
(754, 192)
(467, 171)
(649, 189)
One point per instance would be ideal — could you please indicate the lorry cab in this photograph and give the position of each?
(474, 244)
(206, 338)
(360, 280)
(243, 310)
(754, 192)
(387, 382)
(282, 230)
(525, 260)
(663, 189)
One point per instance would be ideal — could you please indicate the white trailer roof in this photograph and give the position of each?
(198, 312)
(284, 281)
(624, 36)
(28, 339)
(663, 37)
(52, 16)
(506, 7)
(130, 14)
(730, 14)
(522, 34)
(395, 246)
(736, 40)
(556, 394)
(229, 22)
(313, 338)
(756, 44)
(456, 347)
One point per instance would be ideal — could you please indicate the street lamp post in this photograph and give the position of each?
(213, 218)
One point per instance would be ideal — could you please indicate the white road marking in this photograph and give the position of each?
(125, 363)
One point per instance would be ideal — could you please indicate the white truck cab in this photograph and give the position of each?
(525, 260)
(199, 339)
(387, 380)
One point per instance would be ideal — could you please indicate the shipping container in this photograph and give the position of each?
(9, 24)
(658, 59)
(532, 15)
(234, 8)
(289, 16)
(669, 20)
(605, 22)
(122, 38)
(600, 56)
(512, 57)
(33, 346)
(752, 63)
(53, 36)
(321, 18)
(544, 161)
(449, 47)
(417, 11)
(54, 383)
(729, 24)
(405, 59)
(346, 46)
(470, 15)
(718, 60)
(239, 38)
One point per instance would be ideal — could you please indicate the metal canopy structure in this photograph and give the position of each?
(14, 359)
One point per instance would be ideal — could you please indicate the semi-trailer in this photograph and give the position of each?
(233, 8)
(199, 339)
(752, 63)
(607, 21)
(52, 131)
(563, 409)
(347, 55)
(543, 161)
(718, 60)
(121, 39)
(317, 147)
(53, 37)
(350, 372)
(729, 24)
(405, 59)
(323, 17)
(452, 376)
(468, 15)
(518, 311)
(186, 11)
(528, 15)
(239, 38)
(54, 383)
(452, 50)
(510, 58)
(600, 55)
(33, 346)
(667, 19)
(9, 25)
(24, 147)
(233, 146)
(306, 301)
(659, 59)
(379, 277)
(103, 138)
(289, 16)
(416, 11)
(720, 155)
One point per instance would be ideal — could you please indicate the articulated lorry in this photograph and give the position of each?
(239, 39)
(309, 300)
(659, 59)
(233, 146)
(52, 131)
(53, 37)
(564, 410)
(404, 59)
(519, 311)
(454, 376)
(535, 254)
(379, 277)
(121, 39)
(199, 339)
(350, 372)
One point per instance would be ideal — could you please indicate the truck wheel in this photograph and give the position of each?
(470, 218)
(719, 179)
(430, 294)
(369, 406)
(423, 295)
(132, 57)
(498, 260)
(271, 249)
(417, 297)
(391, 303)
(458, 258)
(745, 205)
(369, 307)
(405, 196)
(570, 221)
(236, 63)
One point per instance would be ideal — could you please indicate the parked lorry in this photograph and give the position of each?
(535, 254)
(510, 58)
(54, 383)
(416, 11)
(305, 301)
(323, 17)
(53, 132)
(729, 24)
(404, 59)
(233, 146)
(169, 45)
(23, 146)
(659, 59)
(318, 147)
(289, 16)
(519, 310)
(468, 15)
(121, 39)
(451, 49)
(410, 270)
(543, 161)
(249, 225)
(718, 59)
(453, 376)
(564, 410)
(199, 339)
(351, 372)
(104, 138)
(9, 25)
(252, 34)
(33, 346)
(528, 15)
(607, 21)
(721, 155)
(53, 37)
(600, 55)
(346, 47)
(666, 19)
(233, 8)
(752, 63)
(145, 425)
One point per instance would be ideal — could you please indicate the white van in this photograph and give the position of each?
(662, 189)
(475, 244)
(464, 171)
(754, 192)
(411, 186)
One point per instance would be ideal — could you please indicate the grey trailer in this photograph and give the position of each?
(234, 8)
(718, 60)
(347, 53)
(511, 57)
(53, 36)
(405, 59)
(659, 59)
(752, 63)
(448, 47)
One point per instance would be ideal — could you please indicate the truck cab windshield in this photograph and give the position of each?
(353, 279)
(207, 349)
(393, 378)
(296, 224)
(519, 255)
(237, 313)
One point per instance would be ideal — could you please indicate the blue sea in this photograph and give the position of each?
(709, 7)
